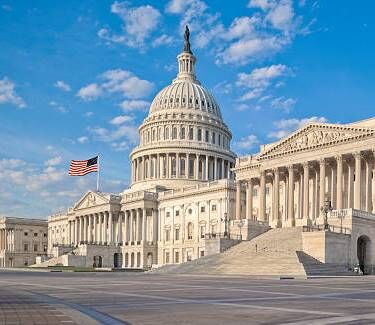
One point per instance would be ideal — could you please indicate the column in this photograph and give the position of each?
(276, 195)
(249, 200)
(101, 217)
(155, 226)
(306, 190)
(119, 232)
(89, 234)
(137, 225)
(105, 229)
(262, 196)
(144, 225)
(222, 168)
(167, 165)
(357, 181)
(291, 217)
(197, 168)
(368, 184)
(69, 232)
(228, 169)
(322, 182)
(339, 182)
(110, 228)
(206, 168)
(238, 200)
(215, 168)
(95, 236)
(187, 166)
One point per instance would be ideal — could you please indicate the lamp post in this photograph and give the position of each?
(327, 207)
(225, 220)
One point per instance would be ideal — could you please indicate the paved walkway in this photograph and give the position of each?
(120, 298)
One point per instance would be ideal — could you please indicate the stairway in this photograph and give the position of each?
(278, 252)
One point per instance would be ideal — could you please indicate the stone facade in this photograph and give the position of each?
(21, 241)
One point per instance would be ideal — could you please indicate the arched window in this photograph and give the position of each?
(213, 138)
(191, 133)
(190, 230)
(182, 133)
(182, 166)
(199, 134)
(166, 133)
(153, 135)
(174, 133)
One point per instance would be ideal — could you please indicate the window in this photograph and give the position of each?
(213, 137)
(202, 253)
(35, 247)
(207, 136)
(182, 167)
(167, 235)
(213, 207)
(199, 135)
(167, 133)
(191, 133)
(219, 142)
(166, 257)
(182, 134)
(190, 211)
(177, 257)
(191, 167)
(44, 248)
(203, 209)
(25, 247)
(35, 234)
(177, 234)
(45, 235)
(153, 135)
(25, 233)
(174, 167)
(213, 229)
(177, 213)
(168, 214)
(190, 230)
(174, 133)
(203, 231)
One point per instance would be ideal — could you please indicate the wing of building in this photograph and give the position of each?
(183, 194)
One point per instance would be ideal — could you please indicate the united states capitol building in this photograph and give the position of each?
(311, 193)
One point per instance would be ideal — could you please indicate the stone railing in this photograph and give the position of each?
(140, 195)
(331, 228)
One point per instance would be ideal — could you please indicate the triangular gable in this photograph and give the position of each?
(316, 135)
(90, 199)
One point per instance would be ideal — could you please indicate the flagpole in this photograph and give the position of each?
(97, 176)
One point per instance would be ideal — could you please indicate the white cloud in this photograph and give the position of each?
(90, 92)
(121, 119)
(286, 126)
(9, 95)
(89, 114)
(248, 142)
(240, 27)
(281, 15)
(119, 81)
(134, 105)
(261, 79)
(53, 161)
(262, 4)
(62, 85)
(129, 132)
(162, 40)
(83, 139)
(138, 24)
(58, 106)
(285, 104)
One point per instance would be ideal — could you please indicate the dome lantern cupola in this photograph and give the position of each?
(186, 61)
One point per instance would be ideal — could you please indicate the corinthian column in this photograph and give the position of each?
(373, 181)
(249, 200)
(276, 196)
(339, 183)
(322, 182)
(89, 238)
(306, 190)
(291, 216)
(262, 197)
(238, 199)
(357, 182)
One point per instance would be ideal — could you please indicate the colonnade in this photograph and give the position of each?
(181, 165)
(127, 227)
(3, 239)
(347, 180)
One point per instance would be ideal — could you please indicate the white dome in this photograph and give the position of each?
(185, 94)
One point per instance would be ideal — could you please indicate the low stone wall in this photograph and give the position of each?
(219, 245)
(248, 229)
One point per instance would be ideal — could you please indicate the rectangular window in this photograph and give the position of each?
(168, 214)
(177, 257)
(203, 231)
(177, 213)
(177, 234)
(213, 137)
(25, 247)
(206, 138)
(166, 257)
(25, 233)
(199, 135)
(35, 247)
(202, 253)
(203, 209)
(35, 234)
(213, 207)
(167, 235)
(191, 133)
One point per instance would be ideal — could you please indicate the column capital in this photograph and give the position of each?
(322, 161)
(305, 164)
(290, 167)
(357, 154)
(339, 158)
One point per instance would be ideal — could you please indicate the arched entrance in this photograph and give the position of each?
(363, 252)
(98, 261)
(117, 260)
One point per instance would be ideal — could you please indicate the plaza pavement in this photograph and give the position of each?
(129, 298)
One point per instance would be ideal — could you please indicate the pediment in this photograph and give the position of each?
(91, 199)
(316, 135)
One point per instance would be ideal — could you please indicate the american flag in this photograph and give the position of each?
(83, 167)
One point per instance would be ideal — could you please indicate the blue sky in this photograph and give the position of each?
(77, 77)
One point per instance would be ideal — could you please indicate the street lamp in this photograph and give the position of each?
(327, 207)
(225, 219)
